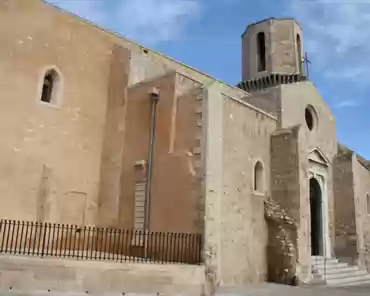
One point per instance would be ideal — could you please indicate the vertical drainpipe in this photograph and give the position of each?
(154, 97)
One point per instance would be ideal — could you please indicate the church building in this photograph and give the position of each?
(100, 131)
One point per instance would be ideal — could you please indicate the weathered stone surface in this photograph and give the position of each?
(282, 245)
(74, 162)
(281, 48)
(31, 275)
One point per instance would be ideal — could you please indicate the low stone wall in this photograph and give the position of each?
(28, 274)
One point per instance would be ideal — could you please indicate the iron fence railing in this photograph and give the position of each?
(94, 243)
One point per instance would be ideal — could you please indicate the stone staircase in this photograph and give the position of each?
(338, 274)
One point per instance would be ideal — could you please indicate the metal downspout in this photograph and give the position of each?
(154, 97)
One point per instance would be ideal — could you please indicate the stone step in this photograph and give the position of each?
(329, 266)
(338, 270)
(348, 280)
(338, 273)
(317, 257)
(320, 260)
(314, 263)
(342, 275)
(356, 283)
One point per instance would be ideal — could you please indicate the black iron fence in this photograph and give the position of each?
(94, 243)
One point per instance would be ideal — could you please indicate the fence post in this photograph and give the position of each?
(43, 240)
(11, 241)
(39, 240)
(16, 238)
(1, 227)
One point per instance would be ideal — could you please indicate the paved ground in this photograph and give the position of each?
(275, 290)
(260, 290)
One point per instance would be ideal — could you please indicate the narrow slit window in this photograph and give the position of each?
(50, 87)
(368, 203)
(258, 177)
(261, 51)
(299, 55)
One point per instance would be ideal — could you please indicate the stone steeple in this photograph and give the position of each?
(272, 46)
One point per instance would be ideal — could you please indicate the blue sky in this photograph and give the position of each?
(206, 35)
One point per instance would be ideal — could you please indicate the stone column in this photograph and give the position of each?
(113, 140)
(213, 186)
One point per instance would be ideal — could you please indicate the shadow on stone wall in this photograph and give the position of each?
(282, 246)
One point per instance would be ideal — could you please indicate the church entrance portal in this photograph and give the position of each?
(316, 217)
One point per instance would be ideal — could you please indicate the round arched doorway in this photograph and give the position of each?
(316, 218)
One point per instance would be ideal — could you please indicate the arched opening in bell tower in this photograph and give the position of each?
(261, 52)
(299, 55)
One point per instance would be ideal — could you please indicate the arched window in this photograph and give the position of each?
(261, 52)
(368, 203)
(299, 54)
(51, 87)
(258, 177)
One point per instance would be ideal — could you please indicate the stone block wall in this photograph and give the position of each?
(267, 100)
(294, 100)
(361, 177)
(284, 51)
(38, 276)
(50, 168)
(113, 142)
(177, 175)
(89, 124)
(345, 209)
(285, 171)
(282, 245)
(237, 135)
(289, 188)
(280, 45)
(246, 140)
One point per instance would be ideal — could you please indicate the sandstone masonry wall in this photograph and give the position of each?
(344, 201)
(294, 100)
(50, 165)
(280, 46)
(96, 278)
(289, 187)
(361, 177)
(113, 143)
(267, 100)
(87, 125)
(246, 140)
(176, 189)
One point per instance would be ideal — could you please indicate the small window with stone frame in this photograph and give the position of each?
(50, 87)
(258, 182)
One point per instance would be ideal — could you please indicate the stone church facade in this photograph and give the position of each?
(99, 130)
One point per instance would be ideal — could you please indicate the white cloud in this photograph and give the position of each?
(336, 35)
(144, 20)
(337, 38)
(347, 103)
(88, 9)
(157, 19)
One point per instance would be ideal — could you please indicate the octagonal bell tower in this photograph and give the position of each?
(272, 46)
